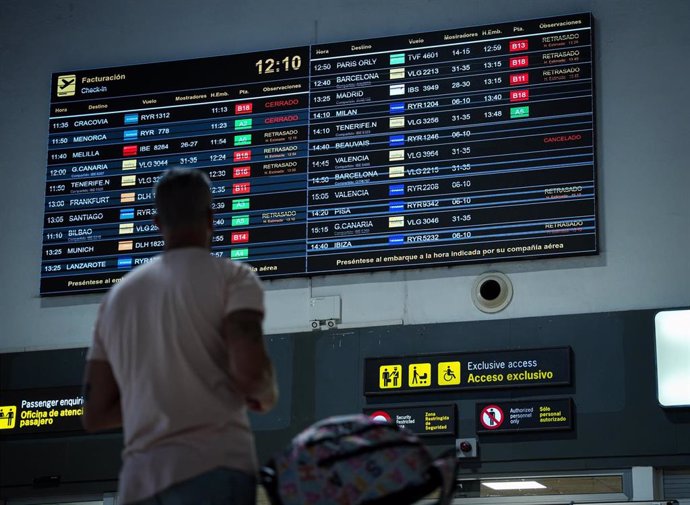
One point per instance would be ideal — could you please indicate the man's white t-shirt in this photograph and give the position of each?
(160, 331)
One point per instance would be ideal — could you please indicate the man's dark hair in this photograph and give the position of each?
(183, 197)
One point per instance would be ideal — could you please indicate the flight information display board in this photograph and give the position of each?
(432, 149)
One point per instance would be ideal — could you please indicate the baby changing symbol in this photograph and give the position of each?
(419, 375)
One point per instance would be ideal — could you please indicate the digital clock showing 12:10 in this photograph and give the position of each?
(273, 65)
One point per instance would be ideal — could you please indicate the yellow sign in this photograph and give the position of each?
(66, 85)
(390, 376)
(419, 375)
(8, 416)
(448, 373)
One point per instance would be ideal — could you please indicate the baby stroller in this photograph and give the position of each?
(354, 460)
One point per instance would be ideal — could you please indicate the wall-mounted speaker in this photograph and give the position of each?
(492, 292)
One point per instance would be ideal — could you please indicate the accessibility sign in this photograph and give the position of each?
(448, 373)
(462, 371)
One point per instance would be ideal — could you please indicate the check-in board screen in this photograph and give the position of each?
(432, 149)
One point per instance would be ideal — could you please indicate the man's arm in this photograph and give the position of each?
(101, 398)
(250, 365)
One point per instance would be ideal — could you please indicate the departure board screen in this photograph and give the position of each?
(431, 149)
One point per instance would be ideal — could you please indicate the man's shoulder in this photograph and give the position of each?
(236, 266)
(156, 273)
(242, 272)
(135, 279)
(230, 267)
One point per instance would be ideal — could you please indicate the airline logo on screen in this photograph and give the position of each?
(66, 85)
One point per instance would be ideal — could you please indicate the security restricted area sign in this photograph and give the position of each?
(525, 415)
(41, 411)
(424, 420)
(459, 371)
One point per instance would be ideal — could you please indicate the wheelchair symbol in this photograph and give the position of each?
(448, 373)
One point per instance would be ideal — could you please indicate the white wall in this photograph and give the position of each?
(644, 175)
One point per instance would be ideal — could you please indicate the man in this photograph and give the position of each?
(177, 357)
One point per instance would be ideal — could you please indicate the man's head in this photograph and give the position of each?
(183, 204)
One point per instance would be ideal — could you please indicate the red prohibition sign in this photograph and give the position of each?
(380, 416)
(491, 417)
